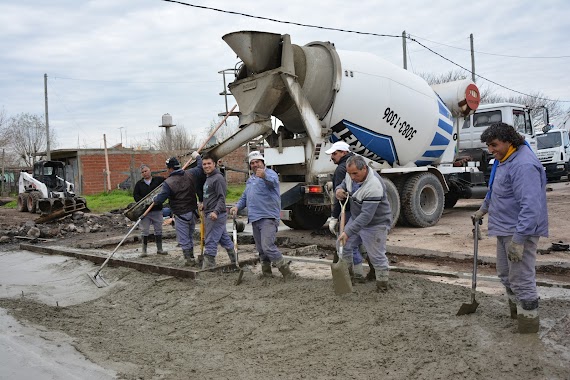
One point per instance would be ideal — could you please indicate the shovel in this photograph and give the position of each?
(341, 277)
(469, 308)
(234, 236)
(96, 277)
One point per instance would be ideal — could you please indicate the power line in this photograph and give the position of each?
(362, 33)
(495, 54)
(136, 82)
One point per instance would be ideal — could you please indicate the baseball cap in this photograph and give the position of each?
(173, 163)
(255, 155)
(339, 145)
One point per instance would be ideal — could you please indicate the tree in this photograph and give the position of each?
(26, 137)
(228, 129)
(181, 142)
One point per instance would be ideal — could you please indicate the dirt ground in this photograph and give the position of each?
(147, 326)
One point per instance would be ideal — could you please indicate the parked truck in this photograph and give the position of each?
(46, 191)
(407, 129)
(553, 151)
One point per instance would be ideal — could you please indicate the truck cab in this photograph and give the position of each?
(513, 114)
(553, 151)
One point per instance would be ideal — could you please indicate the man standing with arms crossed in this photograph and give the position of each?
(215, 215)
(340, 152)
(263, 202)
(142, 188)
(181, 188)
(518, 216)
(371, 216)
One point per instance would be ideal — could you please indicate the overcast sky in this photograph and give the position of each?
(116, 66)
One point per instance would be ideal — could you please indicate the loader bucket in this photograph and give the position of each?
(259, 51)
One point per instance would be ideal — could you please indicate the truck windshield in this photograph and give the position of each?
(548, 140)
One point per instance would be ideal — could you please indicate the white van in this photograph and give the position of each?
(554, 153)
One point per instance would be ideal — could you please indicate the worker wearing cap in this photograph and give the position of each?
(340, 152)
(181, 188)
(263, 202)
(142, 188)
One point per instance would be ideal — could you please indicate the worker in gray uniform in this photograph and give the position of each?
(215, 214)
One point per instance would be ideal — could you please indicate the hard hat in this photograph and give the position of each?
(339, 145)
(255, 155)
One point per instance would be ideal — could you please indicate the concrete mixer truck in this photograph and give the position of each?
(407, 129)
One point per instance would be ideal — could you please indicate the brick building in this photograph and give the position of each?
(86, 167)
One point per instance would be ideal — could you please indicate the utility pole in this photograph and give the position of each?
(47, 119)
(404, 50)
(472, 58)
(121, 132)
(107, 164)
(3, 177)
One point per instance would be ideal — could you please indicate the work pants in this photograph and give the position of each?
(373, 238)
(216, 232)
(264, 232)
(153, 218)
(519, 277)
(184, 225)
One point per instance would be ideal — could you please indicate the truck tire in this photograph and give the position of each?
(33, 201)
(400, 182)
(422, 200)
(306, 218)
(394, 199)
(450, 199)
(23, 202)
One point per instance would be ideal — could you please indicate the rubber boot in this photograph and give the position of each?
(382, 280)
(189, 256)
(266, 269)
(159, 250)
(284, 269)
(209, 262)
(359, 274)
(512, 303)
(144, 247)
(527, 316)
(231, 255)
(371, 275)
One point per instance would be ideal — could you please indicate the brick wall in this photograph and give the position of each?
(236, 160)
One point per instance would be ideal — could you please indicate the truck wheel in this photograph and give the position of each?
(394, 199)
(306, 217)
(23, 202)
(33, 201)
(422, 200)
(450, 199)
(400, 182)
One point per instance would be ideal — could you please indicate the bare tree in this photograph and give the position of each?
(26, 137)
(228, 129)
(181, 142)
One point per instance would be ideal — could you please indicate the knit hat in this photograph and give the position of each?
(173, 163)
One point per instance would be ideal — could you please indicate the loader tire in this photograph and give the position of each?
(33, 201)
(423, 200)
(400, 182)
(23, 202)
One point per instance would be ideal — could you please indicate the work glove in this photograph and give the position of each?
(233, 211)
(333, 226)
(515, 252)
(478, 216)
(194, 155)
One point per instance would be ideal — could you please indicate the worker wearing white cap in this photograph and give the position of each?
(263, 202)
(340, 152)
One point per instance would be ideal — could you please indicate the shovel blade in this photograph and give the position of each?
(240, 277)
(98, 280)
(468, 308)
(341, 278)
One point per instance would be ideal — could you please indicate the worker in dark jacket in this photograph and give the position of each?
(142, 188)
(181, 188)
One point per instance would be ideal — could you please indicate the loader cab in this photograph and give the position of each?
(52, 174)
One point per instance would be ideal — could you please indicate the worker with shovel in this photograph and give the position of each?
(215, 215)
(143, 187)
(371, 216)
(263, 202)
(518, 216)
(181, 188)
